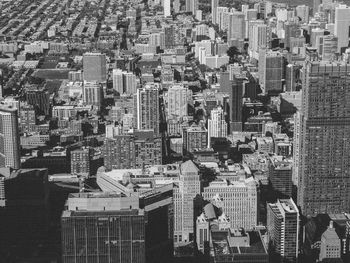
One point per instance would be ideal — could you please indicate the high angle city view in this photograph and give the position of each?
(174, 131)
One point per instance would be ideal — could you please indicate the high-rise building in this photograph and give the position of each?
(92, 93)
(259, 37)
(167, 7)
(40, 99)
(327, 46)
(27, 117)
(148, 148)
(148, 107)
(117, 77)
(324, 156)
(178, 97)
(214, 6)
(217, 126)
(124, 82)
(169, 36)
(95, 67)
(283, 231)
(330, 244)
(81, 160)
(236, 103)
(24, 211)
(239, 200)
(191, 6)
(342, 26)
(236, 28)
(302, 11)
(194, 137)
(280, 176)
(10, 155)
(118, 227)
(189, 186)
(270, 71)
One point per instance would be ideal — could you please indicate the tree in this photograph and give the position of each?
(233, 53)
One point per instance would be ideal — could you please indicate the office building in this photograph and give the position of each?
(239, 200)
(194, 137)
(302, 11)
(214, 6)
(169, 37)
(342, 26)
(178, 98)
(280, 176)
(236, 28)
(236, 102)
(92, 93)
(167, 7)
(238, 245)
(330, 246)
(124, 82)
(147, 108)
(259, 37)
(327, 47)
(10, 154)
(95, 67)
(27, 117)
(81, 161)
(191, 6)
(24, 211)
(128, 227)
(271, 65)
(217, 126)
(283, 231)
(324, 179)
(40, 99)
(188, 187)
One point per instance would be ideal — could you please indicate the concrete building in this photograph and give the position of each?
(178, 98)
(194, 137)
(327, 47)
(324, 133)
(330, 244)
(236, 27)
(271, 65)
(95, 67)
(342, 26)
(167, 7)
(217, 126)
(9, 134)
(113, 217)
(239, 200)
(92, 93)
(214, 6)
(191, 6)
(147, 107)
(283, 230)
(302, 11)
(265, 144)
(81, 160)
(259, 37)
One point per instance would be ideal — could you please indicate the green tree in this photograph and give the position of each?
(233, 53)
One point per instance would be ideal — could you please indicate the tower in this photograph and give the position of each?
(95, 67)
(324, 155)
(214, 6)
(217, 126)
(148, 108)
(283, 231)
(9, 136)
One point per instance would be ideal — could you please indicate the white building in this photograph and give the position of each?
(342, 25)
(217, 126)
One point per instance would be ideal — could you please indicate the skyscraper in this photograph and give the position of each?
(167, 7)
(95, 67)
(236, 28)
(148, 107)
(283, 231)
(330, 244)
(9, 136)
(194, 137)
(177, 101)
(342, 26)
(117, 76)
(236, 103)
(92, 93)
(214, 6)
(239, 200)
(191, 6)
(118, 227)
(217, 126)
(324, 155)
(270, 71)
